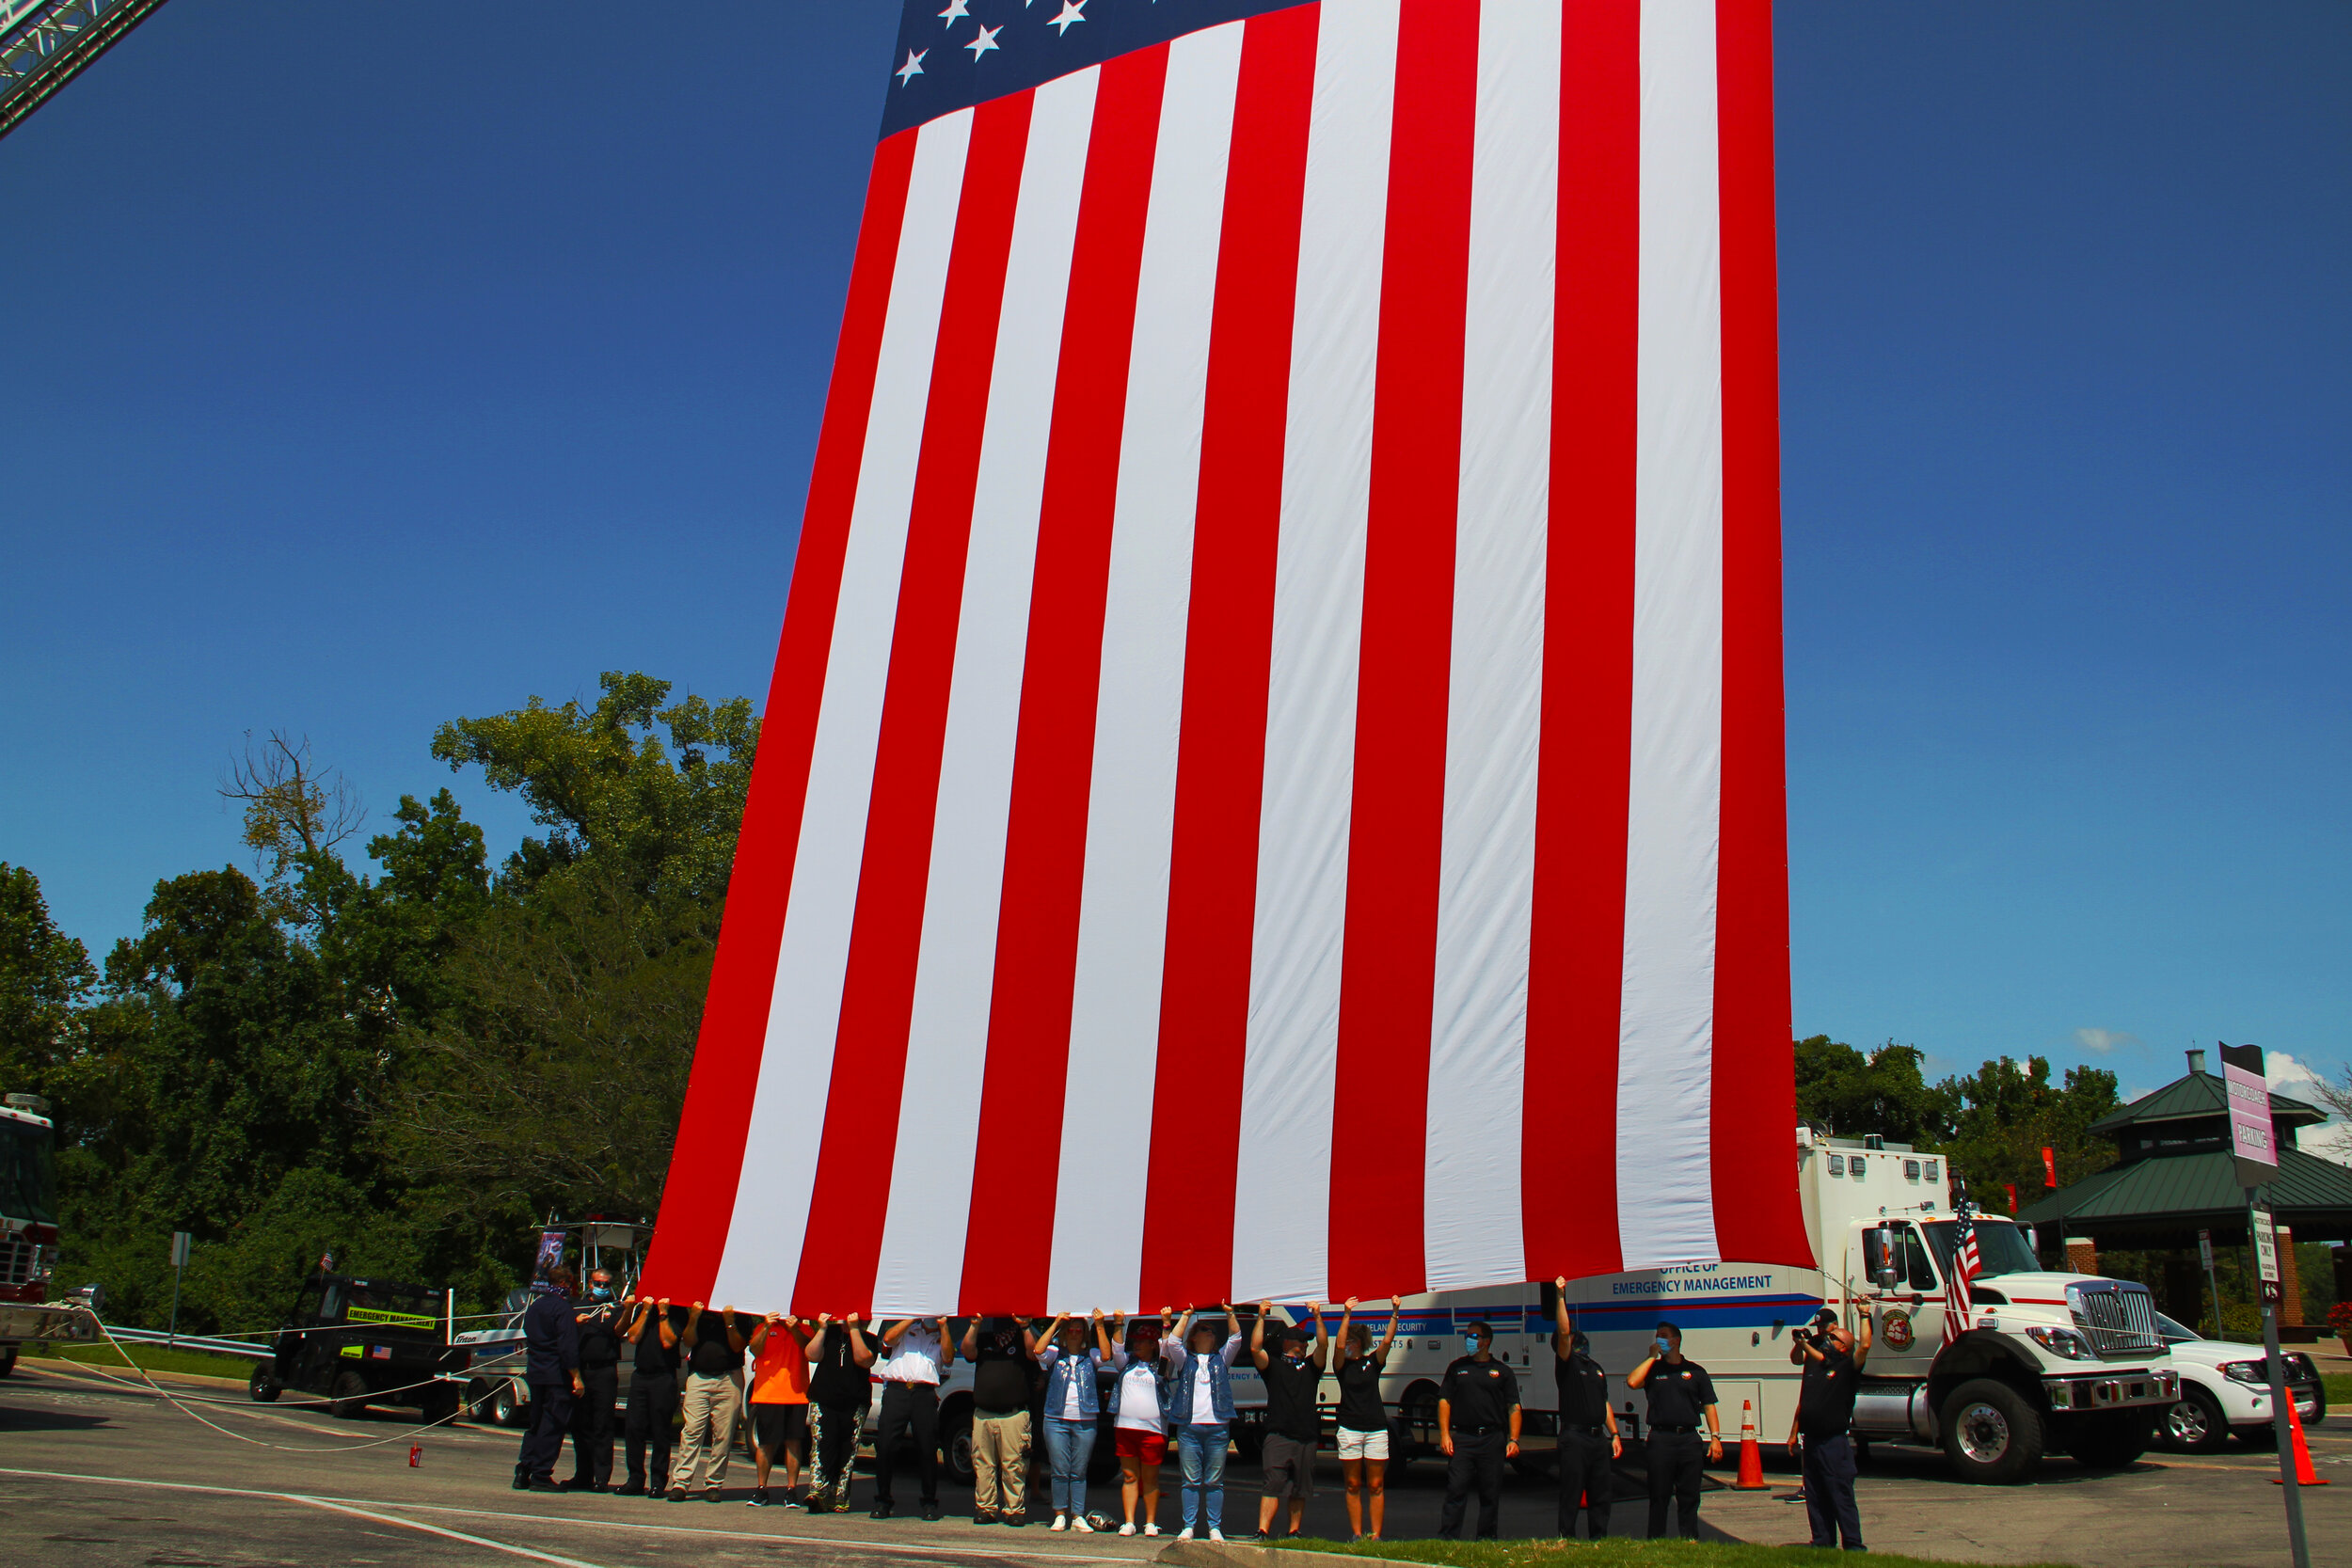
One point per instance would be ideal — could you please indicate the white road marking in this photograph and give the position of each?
(436, 1530)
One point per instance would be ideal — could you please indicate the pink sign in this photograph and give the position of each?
(2249, 1115)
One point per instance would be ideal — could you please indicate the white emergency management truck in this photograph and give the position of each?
(2050, 1361)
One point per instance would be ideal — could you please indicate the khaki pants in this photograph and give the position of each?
(1000, 1441)
(710, 1405)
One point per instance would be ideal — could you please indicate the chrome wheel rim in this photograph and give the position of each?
(2186, 1422)
(1983, 1433)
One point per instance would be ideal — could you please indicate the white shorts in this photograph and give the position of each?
(1363, 1445)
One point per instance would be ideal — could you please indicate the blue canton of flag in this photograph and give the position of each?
(953, 54)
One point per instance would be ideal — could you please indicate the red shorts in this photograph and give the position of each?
(1135, 1443)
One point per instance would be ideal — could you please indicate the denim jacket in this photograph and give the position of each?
(1220, 1384)
(1059, 1371)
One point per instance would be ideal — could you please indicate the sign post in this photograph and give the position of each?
(180, 1242)
(2213, 1285)
(2257, 1156)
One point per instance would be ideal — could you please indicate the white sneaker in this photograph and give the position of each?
(1151, 1529)
(1078, 1523)
(1186, 1534)
(1216, 1535)
(1060, 1523)
(1127, 1528)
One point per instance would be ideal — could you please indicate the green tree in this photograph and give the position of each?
(659, 820)
(2008, 1114)
(1883, 1092)
(44, 977)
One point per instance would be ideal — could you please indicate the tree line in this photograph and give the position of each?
(407, 1067)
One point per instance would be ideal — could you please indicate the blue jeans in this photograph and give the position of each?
(1068, 1447)
(1202, 1450)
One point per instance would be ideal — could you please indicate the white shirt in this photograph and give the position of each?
(1138, 1393)
(917, 1357)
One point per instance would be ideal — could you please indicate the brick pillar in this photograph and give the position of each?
(2082, 1254)
(2290, 1282)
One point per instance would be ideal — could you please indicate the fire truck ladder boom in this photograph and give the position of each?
(46, 44)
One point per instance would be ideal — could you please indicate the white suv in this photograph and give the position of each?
(2225, 1387)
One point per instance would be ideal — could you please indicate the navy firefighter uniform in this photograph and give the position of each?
(551, 1367)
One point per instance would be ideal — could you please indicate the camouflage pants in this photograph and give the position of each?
(833, 1430)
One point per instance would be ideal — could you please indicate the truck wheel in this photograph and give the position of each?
(955, 1444)
(348, 1397)
(2111, 1441)
(505, 1409)
(1992, 1433)
(263, 1386)
(2196, 1425)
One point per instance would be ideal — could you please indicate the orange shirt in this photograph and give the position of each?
(780, 1376)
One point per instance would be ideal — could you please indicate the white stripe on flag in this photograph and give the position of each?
(1486, 890)
(770, 1216)
(939, 1112)
(1122, 919)
(1283, 1181)
(1665, 1205)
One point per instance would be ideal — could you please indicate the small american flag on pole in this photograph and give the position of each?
(1966, 1260)
(1273, 782)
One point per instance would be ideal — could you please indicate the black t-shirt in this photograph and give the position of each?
(711, 1355)
(1825, 1405)
(651, 1359)
(1583, 1390)
(1678, 1395)
(834, 1375)
(1291, 1383)
(1481, 1392)
(1361, 1408)
(599, 1333)
(1000, 1372)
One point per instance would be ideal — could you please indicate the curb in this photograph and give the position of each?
(77, 1369)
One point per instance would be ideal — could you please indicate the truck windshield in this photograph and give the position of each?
(27, 1190)
(1999, 1246)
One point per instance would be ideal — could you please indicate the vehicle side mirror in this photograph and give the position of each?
(1887, 1279)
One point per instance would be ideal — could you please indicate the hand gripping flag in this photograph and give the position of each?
(1273, 782)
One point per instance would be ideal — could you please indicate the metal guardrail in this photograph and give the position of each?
(245, 1348)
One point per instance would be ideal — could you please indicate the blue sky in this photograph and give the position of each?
(362, 376)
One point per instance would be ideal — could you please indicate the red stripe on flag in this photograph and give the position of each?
(860, 1127)
(1229, 637)
(1006, 1266)
(1397, 824)
(1569, 1185)
(698, 1206)
(1754, 1095)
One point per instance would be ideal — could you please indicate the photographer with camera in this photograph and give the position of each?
(1831, 1357)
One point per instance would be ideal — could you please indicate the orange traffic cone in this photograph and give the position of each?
(2304, 1474)
(1751, 1456)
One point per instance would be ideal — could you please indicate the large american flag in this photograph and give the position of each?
(1273, 782)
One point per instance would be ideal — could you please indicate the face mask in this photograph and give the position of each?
(599, 1292)
(1664, 1347)
(1469, 1343)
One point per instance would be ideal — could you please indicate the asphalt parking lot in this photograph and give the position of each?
(94, 1474)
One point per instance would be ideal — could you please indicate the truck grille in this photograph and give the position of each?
(2118, 1316)
(19, 1262)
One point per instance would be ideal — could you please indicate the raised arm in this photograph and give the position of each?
(803, 1330)
(1323, 1339)
(640, 1314)
(667, 1329)
(1862, 1342)
(861, 1348)
(735, 1334)
(1102, 1334)
(1562, 1327)
(893, 1333)
(1257, 1336)
(1396, 1307)
(971, 1337)
(1036, 1342)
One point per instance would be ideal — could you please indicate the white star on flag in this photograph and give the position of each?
(985, 41)
(957, 10)
(1072, 13)
(913, 66)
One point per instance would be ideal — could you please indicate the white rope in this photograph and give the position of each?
(185, 1408)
